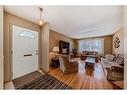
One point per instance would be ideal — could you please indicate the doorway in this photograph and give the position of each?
(24, 51)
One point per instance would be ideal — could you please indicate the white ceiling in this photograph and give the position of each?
(75, 21)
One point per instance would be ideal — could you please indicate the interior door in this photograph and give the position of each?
(25, 51)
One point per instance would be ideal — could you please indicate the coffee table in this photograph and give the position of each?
(90, 63)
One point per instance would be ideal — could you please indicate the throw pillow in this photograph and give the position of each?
(119, 59)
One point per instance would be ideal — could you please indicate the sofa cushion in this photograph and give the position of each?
(106, 65)
(109, 57)
(104, 60)
(109, 64)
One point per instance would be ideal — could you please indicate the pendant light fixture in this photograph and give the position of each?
(40, 20)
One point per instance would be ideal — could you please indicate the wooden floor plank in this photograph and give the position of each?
(84, 78)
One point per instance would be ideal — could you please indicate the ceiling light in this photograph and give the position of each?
(40, 20)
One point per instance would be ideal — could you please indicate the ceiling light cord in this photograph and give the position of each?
(40, 13)
(40, 21)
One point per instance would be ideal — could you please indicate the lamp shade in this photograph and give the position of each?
(56, 49)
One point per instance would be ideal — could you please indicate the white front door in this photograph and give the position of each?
(25, 51)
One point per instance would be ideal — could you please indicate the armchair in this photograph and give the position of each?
(115, 73)
(66, 65)
(113, 66)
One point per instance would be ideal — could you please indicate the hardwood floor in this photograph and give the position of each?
(85, 78)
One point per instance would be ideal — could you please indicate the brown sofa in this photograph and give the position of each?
(113, 66)
(92, 54)
(66, 65)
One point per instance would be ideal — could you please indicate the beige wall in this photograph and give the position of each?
(55, 37)
(75, 43)
(45, 47)
(107, 43)
(10, 20)
(1, 47)
(120, 35)
(125, 47)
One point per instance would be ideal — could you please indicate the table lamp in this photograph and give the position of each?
(56, 50)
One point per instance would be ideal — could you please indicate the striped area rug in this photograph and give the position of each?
(45, 81)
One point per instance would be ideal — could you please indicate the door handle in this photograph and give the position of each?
(36, 52)
(27, 55)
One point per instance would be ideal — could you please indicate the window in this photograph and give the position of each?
(27, 34)
(88, 45)
(92, 45)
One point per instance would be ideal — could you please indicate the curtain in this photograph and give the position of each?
(96, 44)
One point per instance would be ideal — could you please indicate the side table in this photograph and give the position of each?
(55, 62)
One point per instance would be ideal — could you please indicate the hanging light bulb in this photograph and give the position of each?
(40, 21)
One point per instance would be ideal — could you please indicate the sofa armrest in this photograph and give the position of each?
(119, 69)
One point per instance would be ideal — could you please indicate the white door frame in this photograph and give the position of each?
(11, 49)
(1, 49)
